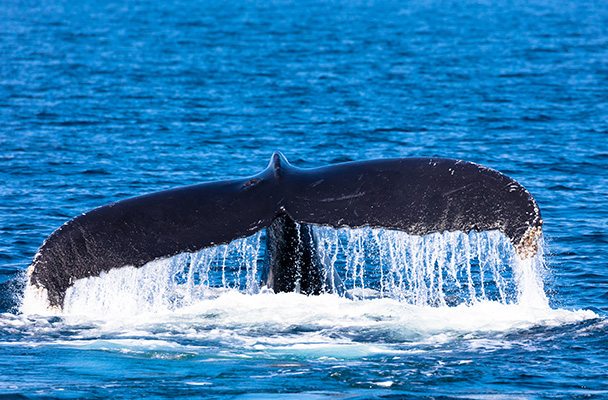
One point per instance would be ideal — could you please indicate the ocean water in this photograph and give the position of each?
(100, 101)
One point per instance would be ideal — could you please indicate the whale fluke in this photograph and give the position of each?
(415, 195)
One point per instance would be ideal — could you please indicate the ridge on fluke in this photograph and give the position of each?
(415, 195)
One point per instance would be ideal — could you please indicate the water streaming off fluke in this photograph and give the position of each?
(441, 269)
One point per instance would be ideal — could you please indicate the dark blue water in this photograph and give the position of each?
(102, 101)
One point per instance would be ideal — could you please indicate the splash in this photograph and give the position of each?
(438, 270)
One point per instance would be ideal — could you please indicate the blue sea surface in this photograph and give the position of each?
(100, 101)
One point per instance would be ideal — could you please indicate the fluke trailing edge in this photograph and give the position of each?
(414, 195)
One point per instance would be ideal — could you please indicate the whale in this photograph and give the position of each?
(418, 196)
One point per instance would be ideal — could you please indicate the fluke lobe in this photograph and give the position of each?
(414, 195)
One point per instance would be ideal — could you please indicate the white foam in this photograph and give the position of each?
(235, 310)
(322, 327)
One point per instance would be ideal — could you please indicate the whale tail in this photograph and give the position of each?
(415, 195)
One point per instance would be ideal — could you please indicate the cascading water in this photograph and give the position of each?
(171, 283)
(441, 269)
(438, 269)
